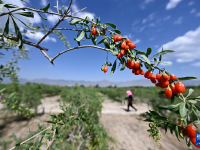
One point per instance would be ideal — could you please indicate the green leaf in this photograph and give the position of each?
(15, 138)
(107, 44)
(183, 110)
(146, 59)
(6, 29)
(11, 95)
(124, 64)
(190, 92)
(18, 34)
(34, 8)
(102, 41)
(149, 50)
(87, 19)
(155, 61)
(113, 67)
(45, 9)
(177, 132)
(1, 7)
(117, 31)
(162, 53)
(154, 113)
(160, 58)
(169, 106)
(74, 21)
(24, 23)
(87, 36)
(111, 25)
(186, 78)
(81, 36)
(94, 39)
(26, 14)
(188, 143)
(161, 118)
(5, 145)
(139, 52)
(148, 120)
(2, 90)
(10, 6)
(197, 122)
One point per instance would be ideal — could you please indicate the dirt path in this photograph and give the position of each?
(130, 131)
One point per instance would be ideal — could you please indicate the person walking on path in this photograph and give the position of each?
(130, 100)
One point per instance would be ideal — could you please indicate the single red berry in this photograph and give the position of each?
(137, 65)
(119, 38)
(126, 47)
(133, 70)
(94, 31)
(122, 52)
(173, 77)
(105, 69)
(164, 83)
(128, 61)
(119, 55)
(115, 38)
(174, 91)
(128, 41)
(185, 133)
(168, 92)
(131, 45)
(191, 129)
(153, 77)
(165, 76)
(149, 75)
(132, 65)
(146, 73)
(123, 45)
(104, 31)
(180, 87)
(153, 81)
(158, 77)
(141, 72)
(137, 71)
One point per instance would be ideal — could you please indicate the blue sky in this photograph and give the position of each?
(173, 24)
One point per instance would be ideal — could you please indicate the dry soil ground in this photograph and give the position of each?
(127, 128)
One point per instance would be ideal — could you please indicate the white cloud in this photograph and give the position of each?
(136, 41)
(38, 35)
(197, 64)
(198, 14)
(192, 11)
(143, 4)
(156, 46)
(149, 18)
(186, 47)
(172, 4)
(190, 3)
(129, 36)
(179, 21)
(169, 62)
(43, 2)
(82, 14)
(167, 18)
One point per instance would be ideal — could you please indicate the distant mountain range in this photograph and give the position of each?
(103, 83)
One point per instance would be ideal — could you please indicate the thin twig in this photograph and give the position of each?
(51, 30)
(53, 137)
(31, 138)
(84, 46)
(69, 29)
(57, 9)
(23, 8)
(75, 13)
(26, 42)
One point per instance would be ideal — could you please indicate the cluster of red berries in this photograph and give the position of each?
(94, 30)
(190, 131)
(125, 45)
